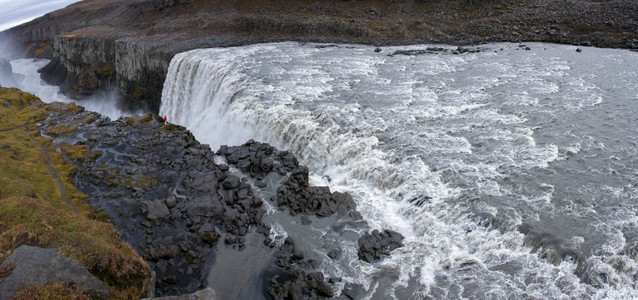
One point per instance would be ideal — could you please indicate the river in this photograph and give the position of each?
(512, 173)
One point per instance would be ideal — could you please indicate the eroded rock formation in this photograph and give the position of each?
(127, 45)
(176, 202)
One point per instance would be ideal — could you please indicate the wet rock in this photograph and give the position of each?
(157, 210)
(38, 266)
(205, 294)
(169, 199)
(299, 285)
(351, 291)
(208, 234)
(305, 220)
(374, 246)
(293, 279)
(296, 193)
(317, 282)
(231, 182)
(168, 189)
(300, 198)
(335, 253)
(548, 245)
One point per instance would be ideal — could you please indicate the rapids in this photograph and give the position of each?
(511, 173)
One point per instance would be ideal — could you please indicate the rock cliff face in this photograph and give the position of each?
(6, 73)
(82, 65)
(127, 45)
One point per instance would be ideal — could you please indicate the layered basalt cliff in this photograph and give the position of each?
(127, 45)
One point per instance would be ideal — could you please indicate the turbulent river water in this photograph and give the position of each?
(512, 173)
(27, 78)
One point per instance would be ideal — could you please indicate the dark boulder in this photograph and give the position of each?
(157, 210)
(293, 278)
(374, 246)
(32, 266)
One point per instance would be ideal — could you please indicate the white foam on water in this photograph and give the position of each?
(29, 80)
(446, 131)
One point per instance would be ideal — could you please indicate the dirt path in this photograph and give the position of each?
(49, 165)
(12, 128)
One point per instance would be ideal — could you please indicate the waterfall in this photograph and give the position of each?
(198, 91)
(456, 152)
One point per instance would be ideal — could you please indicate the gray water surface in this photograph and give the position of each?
(512, 173)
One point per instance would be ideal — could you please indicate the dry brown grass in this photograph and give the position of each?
(33, 212)
(55, 291)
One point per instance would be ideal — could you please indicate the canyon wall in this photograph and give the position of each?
(97, 45)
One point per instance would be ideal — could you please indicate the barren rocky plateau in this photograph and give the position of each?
(98, 45)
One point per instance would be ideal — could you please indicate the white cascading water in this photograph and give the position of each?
(28, 79)
(456, 152)
(214, 87)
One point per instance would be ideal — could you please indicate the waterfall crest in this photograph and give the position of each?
(199, 88)
(455, 152)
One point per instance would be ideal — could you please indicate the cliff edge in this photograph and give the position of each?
(97, 45)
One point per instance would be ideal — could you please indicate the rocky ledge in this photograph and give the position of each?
(185, 208)
(125, 45)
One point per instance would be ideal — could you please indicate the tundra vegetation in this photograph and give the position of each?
(40, 206)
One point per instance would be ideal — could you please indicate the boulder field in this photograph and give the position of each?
(177, 203)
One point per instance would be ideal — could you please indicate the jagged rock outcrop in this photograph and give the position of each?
(163, 191)
(127, 45)
(374, 246)
(30, 266)
(295, 278)
(260, 159)
(176, 202)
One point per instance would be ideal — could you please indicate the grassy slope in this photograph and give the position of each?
(34, 211)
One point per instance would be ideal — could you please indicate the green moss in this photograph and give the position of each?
(75, 153)
(137, 120)
(95, 245)
(40, 49)
(112, 178)
(55, 291)
(88, 119)
(107, 69)
(170, 127)
(33, 211)
(141, 92)
(23, 169)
